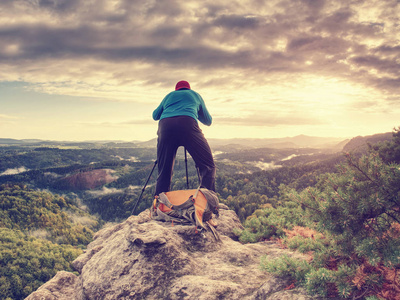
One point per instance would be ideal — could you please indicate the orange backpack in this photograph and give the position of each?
(186, 207)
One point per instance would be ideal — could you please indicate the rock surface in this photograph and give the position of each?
(145, 259)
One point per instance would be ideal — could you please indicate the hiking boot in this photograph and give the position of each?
(213, 223)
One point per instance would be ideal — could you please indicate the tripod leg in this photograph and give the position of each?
(144, 187)
(198, 174)
(186, 166)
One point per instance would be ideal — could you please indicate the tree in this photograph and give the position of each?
(390, 150)
(27, 262)
(359, 207)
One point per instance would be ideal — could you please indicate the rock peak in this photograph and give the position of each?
(146, 259)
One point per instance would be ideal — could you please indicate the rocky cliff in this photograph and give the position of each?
(145, 259)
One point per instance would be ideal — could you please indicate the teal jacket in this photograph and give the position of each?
(183, 103)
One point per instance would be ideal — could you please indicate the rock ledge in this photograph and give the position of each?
(145, 259)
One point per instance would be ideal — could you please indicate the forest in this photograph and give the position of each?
(54, 197)
(40, 234)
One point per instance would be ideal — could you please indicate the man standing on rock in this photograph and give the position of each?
(178, 114)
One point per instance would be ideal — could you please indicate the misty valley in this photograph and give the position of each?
(108, 177)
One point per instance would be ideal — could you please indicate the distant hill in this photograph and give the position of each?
(340, 146)
(300, 141)
(10, 141)
(360, 143)
(151, 143)
(5, 141)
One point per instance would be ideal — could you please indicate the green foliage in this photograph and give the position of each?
(258, 229)
(389, 151)
(329, 283)
(27, 263)
(25, 209)
(134, 174)
(357, 212)
(269, 222)
(116, 206)
(245, 193)
(51, 167)
(244, 205)
(51, 157)
(317, 281)
(355, 207)
(359, 207)
(291, 268)
(305, 245)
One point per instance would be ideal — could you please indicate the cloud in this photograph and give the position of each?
(384, 65)
(232, 22)
(14, 171)
(143, 121)
(107, 191)
(148, 41)
(7, 117)
(268, 120)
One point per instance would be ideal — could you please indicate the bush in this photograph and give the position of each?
(293, 269)
(269, 222)
(360, 208)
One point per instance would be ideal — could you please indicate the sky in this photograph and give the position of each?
(96, 69)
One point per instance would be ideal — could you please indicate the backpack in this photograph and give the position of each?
(187, 207)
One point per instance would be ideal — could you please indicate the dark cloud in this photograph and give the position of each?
(385, 83)
(388, 49)
(292, 36)
(58, 5)
(336, 21)
(316, 44)
(166, 32)
(237, 21)
(389, 66)
(45, 42)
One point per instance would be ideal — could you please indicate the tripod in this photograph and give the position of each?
(152, 170)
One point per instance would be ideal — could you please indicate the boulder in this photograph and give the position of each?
(146, 259)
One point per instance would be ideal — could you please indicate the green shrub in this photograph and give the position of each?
(270, 223)
(318, 281)
(288, 267)
(305, 245)
(359, 207)
(258, 229)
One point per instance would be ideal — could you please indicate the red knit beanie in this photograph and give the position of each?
(182, 85)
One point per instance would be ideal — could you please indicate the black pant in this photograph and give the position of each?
(182, 131)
